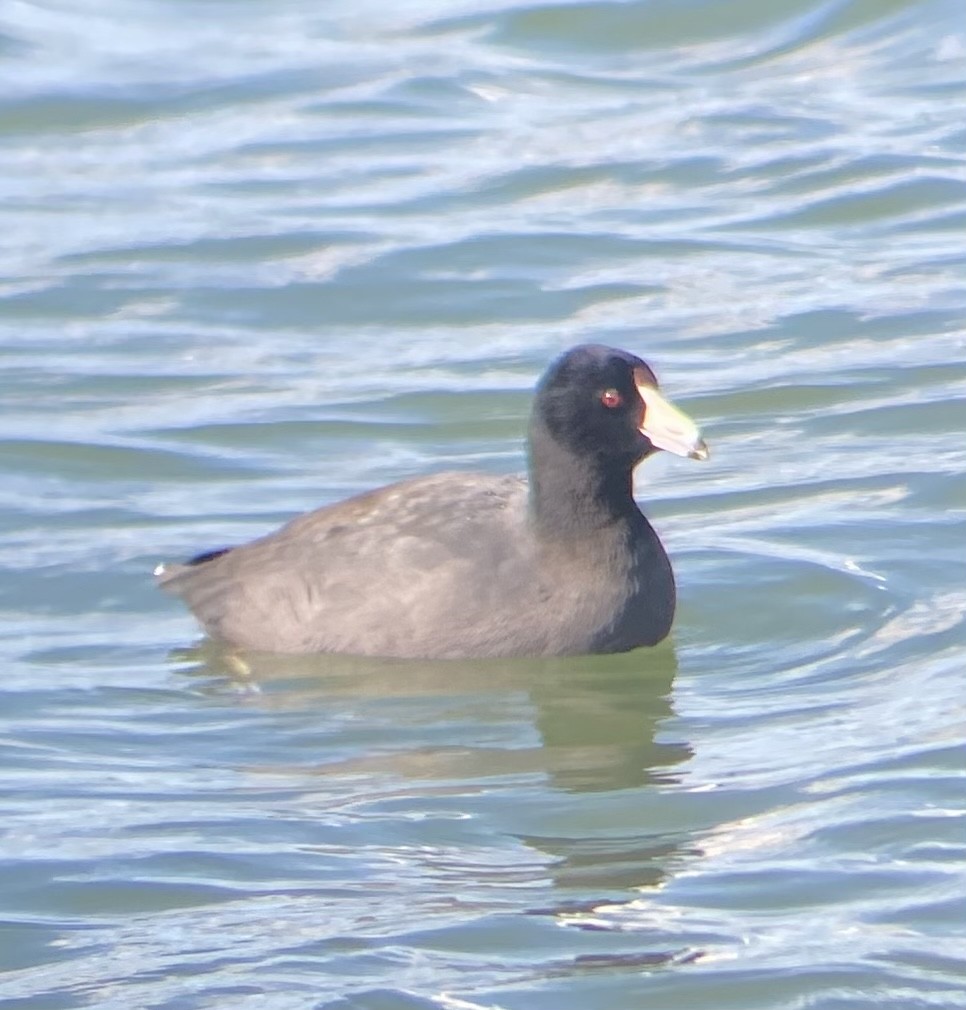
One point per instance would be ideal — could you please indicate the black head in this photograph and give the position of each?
(603, 405)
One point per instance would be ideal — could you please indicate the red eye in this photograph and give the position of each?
(611, 398)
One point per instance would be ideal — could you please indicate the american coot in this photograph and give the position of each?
(469, 565)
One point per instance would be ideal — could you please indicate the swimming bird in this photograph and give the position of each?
(460, 565)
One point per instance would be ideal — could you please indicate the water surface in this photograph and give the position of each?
(256, 257)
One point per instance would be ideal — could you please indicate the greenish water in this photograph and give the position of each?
(256, 257)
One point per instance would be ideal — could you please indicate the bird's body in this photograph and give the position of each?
(471, 581)
(465, 565)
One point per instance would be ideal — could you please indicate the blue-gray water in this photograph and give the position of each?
(257, 256)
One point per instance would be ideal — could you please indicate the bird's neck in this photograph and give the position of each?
(573, 497)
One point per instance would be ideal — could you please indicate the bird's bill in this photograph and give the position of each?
(669, 428)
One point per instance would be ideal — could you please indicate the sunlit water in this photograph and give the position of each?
(256, 257)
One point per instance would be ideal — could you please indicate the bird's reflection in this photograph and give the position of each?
(589, 725)
(596, 716)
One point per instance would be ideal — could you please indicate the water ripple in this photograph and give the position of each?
(267, 256)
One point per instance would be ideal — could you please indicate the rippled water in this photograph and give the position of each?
(258, 256)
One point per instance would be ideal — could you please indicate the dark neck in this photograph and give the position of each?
(571, 496)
